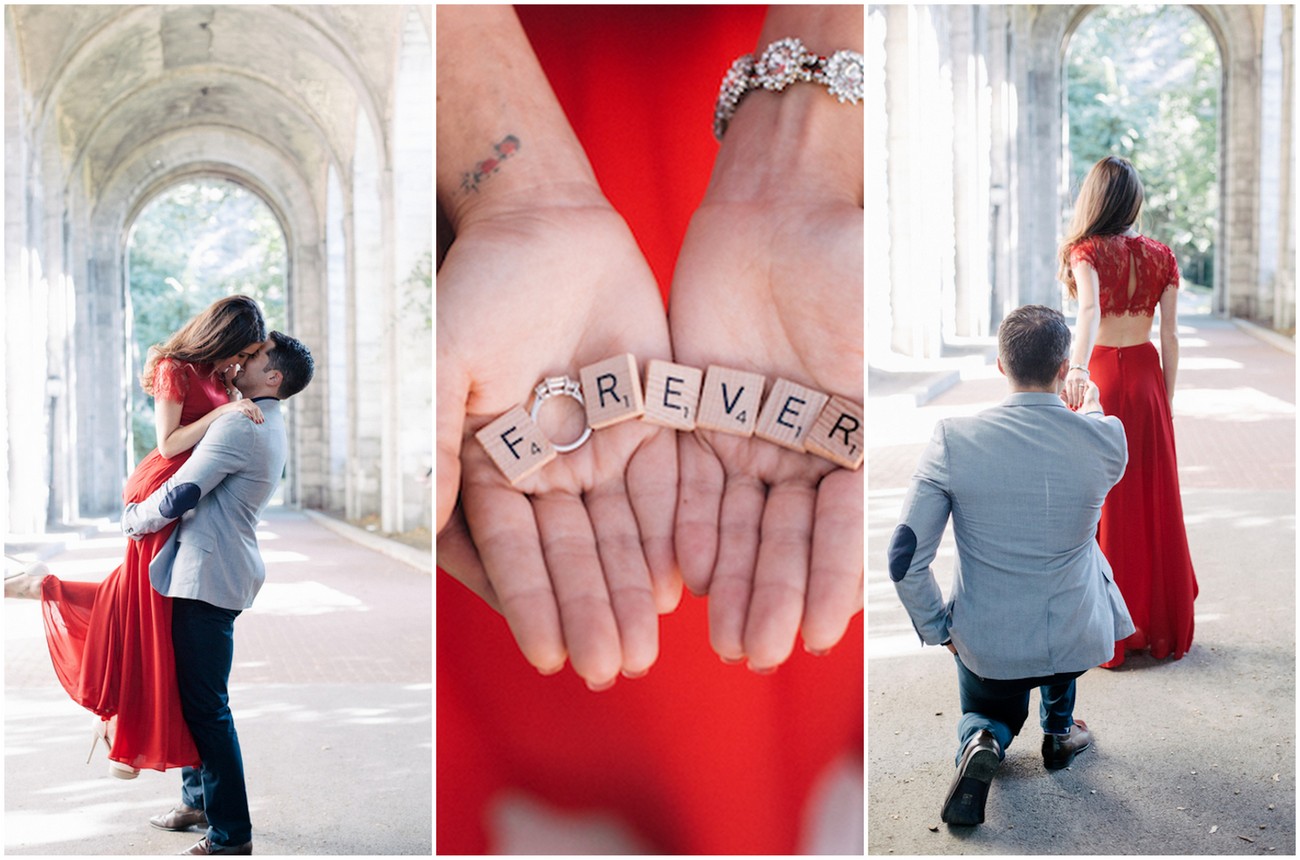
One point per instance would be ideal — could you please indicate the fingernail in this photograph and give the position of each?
(764, 671)
(550, 671)
(598, 688)
(817, 652)
(634, 675)
(731, 661)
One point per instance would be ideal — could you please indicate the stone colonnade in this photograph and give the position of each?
(966, 164)
(325, 112)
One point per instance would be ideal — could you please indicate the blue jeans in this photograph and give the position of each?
(203, 636)
(1001, 706)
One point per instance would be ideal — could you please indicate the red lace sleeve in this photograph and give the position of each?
(1175, 276)
(171, 380)
(1084, 251)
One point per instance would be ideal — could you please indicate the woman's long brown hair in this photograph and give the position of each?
(227, 326)
(1110, 201)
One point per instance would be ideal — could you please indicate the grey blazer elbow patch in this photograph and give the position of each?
(902, 547)
(181, 499)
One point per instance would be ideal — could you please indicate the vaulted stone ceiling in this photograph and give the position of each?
(105, 81)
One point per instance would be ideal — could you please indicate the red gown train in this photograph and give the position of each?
(696, 757)
(111, 641)
(1142, 532)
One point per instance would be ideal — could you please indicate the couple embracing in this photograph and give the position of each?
(149, 649)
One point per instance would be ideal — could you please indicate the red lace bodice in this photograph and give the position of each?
(191, 385)
(1157, 271)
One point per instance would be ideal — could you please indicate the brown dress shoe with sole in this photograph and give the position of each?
(180, 818)
(205, 846)
(970, 786)
(1060, 750)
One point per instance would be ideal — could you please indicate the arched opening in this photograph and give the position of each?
(196, 241)
(1146, 83)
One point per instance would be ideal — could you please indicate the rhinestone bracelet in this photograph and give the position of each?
(784, 62)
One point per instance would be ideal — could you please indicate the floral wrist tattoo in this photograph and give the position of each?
(472, 179)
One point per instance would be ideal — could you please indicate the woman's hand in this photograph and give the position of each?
(578, 557)
(1076, 387)
(769, 280)
(247, 407)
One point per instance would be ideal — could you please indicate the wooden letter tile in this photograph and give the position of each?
(836, 435)
(789, 414)
(516, 445)
(730, 400)
(672, 394)
(611, 390)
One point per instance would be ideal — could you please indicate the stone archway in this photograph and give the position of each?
(1236, 32)
(106, 105)
(966, 180)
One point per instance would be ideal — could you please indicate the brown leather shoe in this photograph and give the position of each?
(1060, 750)
(180, 818)
(969, 791)
(205, 846)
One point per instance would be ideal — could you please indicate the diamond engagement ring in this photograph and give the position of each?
(553, 386)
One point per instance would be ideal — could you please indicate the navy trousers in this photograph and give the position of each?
(204, 639)
(1001, 706)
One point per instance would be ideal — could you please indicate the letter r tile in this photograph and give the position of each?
(611, 391)
(516, 445)
(730, 400)
(672, 394)
(789, 414)
(837, 434)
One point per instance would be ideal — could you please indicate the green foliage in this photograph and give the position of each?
(418, 287)
(1143, 83)
(193, 244)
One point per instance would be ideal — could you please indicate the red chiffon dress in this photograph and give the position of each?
(111, 641)
(696, 757)
(1142, 532)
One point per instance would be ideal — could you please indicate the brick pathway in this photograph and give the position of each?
(332, 694)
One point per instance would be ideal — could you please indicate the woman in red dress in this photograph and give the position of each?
(111, 641)
(1119, 278)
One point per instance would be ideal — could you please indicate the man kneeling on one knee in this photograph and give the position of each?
(1034, 602)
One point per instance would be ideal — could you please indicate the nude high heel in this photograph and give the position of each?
(115, 768)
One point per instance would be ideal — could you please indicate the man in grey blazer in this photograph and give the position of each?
(212, 569)
(1033, 602)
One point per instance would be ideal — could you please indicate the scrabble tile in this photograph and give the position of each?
(611, 390)
(672, 394)
(789, 413)
(836, 435)
(516, 445)
(730, 400)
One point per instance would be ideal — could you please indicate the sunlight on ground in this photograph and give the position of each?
(1230, 404)
(303, 598)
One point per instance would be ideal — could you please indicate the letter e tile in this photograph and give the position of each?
(789, 414)
(730, 401)
(611, 390)
(836, 435)
(672, 394)
(516, 445)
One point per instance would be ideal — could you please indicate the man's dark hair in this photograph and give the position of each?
(292, 358)
(1032, 342)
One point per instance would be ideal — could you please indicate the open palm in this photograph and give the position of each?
(774, 536)
(578, 556)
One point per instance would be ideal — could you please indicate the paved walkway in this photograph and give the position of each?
(1192, 757)
(332, 694)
